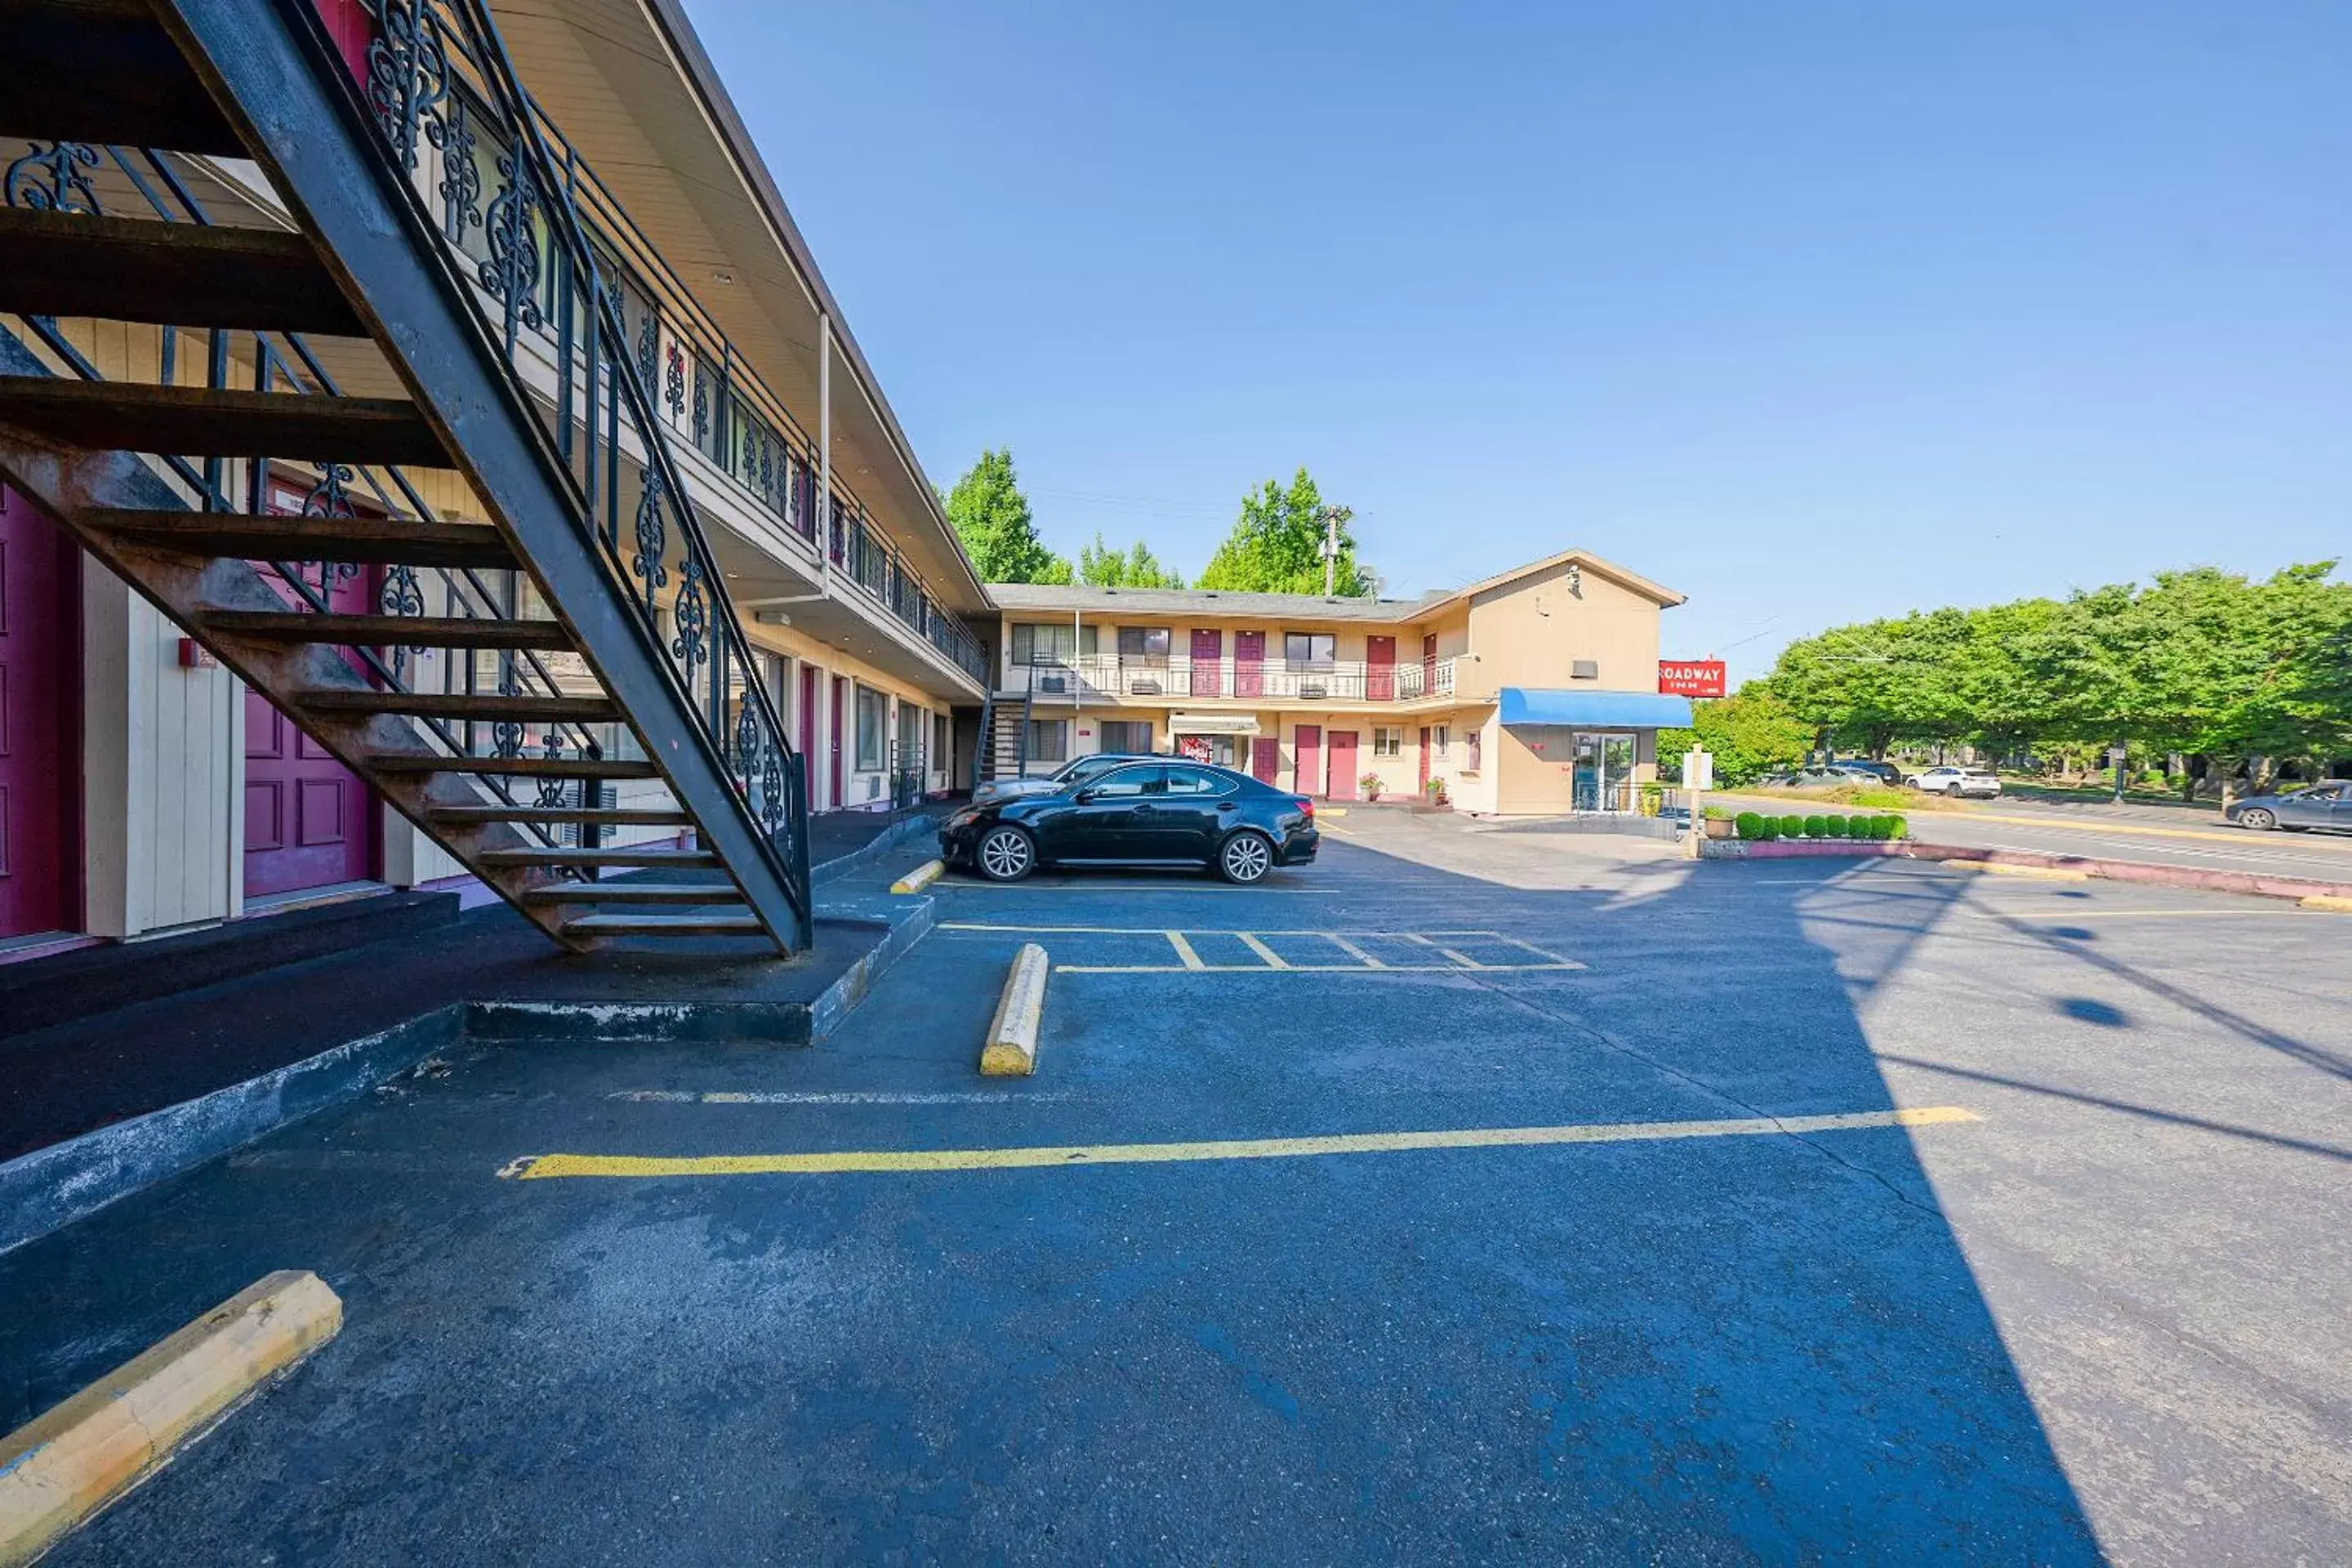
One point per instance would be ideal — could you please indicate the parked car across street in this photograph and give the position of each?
(1147, 813)
(1980, 784)
(2327, 804)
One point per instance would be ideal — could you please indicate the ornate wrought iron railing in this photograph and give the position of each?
(76, 177)
(432, 67)
(705, 391)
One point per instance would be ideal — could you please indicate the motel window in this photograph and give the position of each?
(939, 743)
(1387, 740)
(1143, 642)
(911, 736)
(1443, 739)
(1307, 651)
(1043, 643)
(1470, 743)
(1126, 735)
(1049, 740)
(873, 711)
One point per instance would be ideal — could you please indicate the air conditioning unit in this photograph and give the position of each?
(1306, 691)
(1142, 686)
(1052, 683)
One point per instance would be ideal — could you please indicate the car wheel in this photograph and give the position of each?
(2257, 818)
(1005, 855)
(1246, 858)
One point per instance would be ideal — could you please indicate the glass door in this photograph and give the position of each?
(1602, 775)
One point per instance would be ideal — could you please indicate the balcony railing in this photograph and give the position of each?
(1114, 677)
(704, 393)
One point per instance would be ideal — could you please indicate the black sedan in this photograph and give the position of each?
(1142, 813)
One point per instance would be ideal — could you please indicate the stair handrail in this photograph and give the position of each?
(419, 45)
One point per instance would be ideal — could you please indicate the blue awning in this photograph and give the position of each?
(1595, 710)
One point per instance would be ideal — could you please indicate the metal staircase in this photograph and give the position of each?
(1004, 735)
(511, 674)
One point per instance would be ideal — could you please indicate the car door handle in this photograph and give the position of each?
(1228, 806)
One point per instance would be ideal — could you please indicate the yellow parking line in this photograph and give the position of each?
(1184, 952)
(543, 1167)
(1349, 948)
(1272, 959)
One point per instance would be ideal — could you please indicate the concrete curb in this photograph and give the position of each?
(2071, 867)
(72, 1461)
(2332, 901)
(920, 825)
(921, 877)
(1010, 1048)
(54, 1186)
(51, 1188)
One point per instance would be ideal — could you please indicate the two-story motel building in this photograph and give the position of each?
(1533, 691)
(146, 789)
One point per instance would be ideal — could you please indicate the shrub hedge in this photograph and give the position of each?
(1817, 826)
(1838, 824)
(1793, 827)
(1748, 824)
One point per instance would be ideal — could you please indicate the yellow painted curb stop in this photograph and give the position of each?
(89, 1450)
(2038, 873)
(1010, 1048)
(921, 877)
(2342, 906)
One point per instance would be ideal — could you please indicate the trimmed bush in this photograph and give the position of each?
(1897, 828)
(1866, 827)
(1839, 825)
(1882, 827)
(1793, 827)
(1748, 824)
(1771, 828)
(1816, 827)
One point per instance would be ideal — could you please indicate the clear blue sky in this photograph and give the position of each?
(1816, 311)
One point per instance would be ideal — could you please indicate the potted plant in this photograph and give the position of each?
(1719, 822)
(1370, 784)
(1435, 791)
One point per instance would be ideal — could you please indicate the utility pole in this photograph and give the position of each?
(1333, 516)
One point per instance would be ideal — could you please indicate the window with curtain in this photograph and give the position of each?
(1126, 735)
(1387, 740)
(1043, 642)
(873, 717)
(1143, 642)
(1049, 740)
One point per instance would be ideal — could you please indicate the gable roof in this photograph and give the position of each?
(1309, 607)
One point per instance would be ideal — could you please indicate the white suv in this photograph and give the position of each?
(1976, 783)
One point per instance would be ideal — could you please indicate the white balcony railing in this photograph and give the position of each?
(1112, 677)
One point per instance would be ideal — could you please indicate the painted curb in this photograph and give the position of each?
(72, 1461)
(2022, 862)
(920, 825)
(2034, 873)
(51, 1187)
(921, 877)
(2338, 904)
(1010, 1048)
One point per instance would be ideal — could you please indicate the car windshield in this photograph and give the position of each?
(1080, 769)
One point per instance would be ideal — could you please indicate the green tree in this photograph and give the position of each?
(992, 517)
(1751, 732)
(1275, 546)
(1102, 566)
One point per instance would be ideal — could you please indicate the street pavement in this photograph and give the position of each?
(1855, 1213)
(2099, 830)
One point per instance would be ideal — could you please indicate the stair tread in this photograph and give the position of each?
(184, 274)
(133, 416)
(145, 95)
(620, 857)
(712, 893)
(542, 767)
(603, 816)
(382, 631)
(374, 540)
(664, 925)
(462, 705)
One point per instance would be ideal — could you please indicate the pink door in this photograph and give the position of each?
(808, 731)
(1343, 764)
(1425, 759)
(1380, 671)
(1265, 759)
(40, 776)
(1309, 746)
(308, 820)
(1429, 663)
(1208, 657)
(1249, 664)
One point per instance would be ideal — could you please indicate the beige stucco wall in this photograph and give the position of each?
(1531, 632)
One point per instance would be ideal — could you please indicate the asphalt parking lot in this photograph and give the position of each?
(1463, 1196)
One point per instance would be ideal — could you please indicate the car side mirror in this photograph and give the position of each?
(1086, 796)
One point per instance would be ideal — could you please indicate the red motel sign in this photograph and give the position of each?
(1691, 677)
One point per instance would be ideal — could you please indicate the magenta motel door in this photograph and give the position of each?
(1208, 662)
(1343, 764)
(1308, 776)
(1249, 664)
(308, 820)
(1380, 670)
(40, 776)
